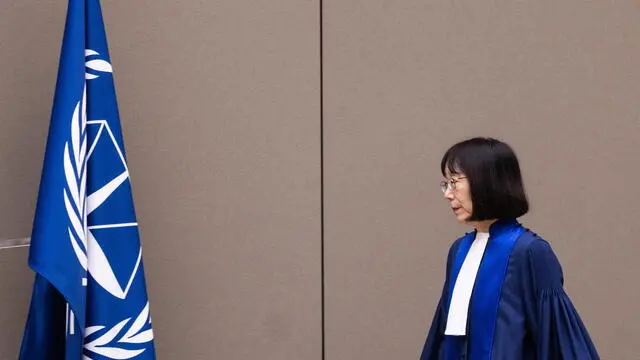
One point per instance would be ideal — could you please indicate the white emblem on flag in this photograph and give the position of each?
(104, 344)
(98, 65)
(79, 204)
(91, 256)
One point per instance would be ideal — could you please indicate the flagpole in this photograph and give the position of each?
(15, 243)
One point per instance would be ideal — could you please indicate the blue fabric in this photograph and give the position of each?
(535, 318)
(44, 335)
(487, 288)
(433, 349)
(89, 299)
(46, 309)
(489, 282)
(559, 331)
(456, 346)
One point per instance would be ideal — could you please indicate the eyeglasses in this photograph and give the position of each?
(450, 184)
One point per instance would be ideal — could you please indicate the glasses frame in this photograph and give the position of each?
(445, 185)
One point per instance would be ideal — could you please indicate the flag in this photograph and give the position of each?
(89, 298)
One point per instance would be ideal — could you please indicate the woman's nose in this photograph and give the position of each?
(448, 194)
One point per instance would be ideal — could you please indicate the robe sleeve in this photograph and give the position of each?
(559, 331)
(433, 345)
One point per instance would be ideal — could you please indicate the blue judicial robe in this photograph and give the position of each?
(518, 309)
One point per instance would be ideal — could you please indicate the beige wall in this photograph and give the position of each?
(220, 109)
(404, 80)
(30, 35)
(220, 104)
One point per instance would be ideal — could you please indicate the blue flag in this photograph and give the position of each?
(89, 299)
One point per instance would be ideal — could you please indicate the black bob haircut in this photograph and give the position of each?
(494, 177)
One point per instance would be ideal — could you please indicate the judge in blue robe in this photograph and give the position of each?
(503, 296)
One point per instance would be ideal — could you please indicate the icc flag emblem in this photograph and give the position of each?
(94, 141)
(89, 300)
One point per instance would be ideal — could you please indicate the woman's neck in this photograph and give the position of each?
(482, 226)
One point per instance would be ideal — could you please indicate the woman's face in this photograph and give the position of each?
(458, 193)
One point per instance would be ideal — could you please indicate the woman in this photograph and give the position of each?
(503, 296)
